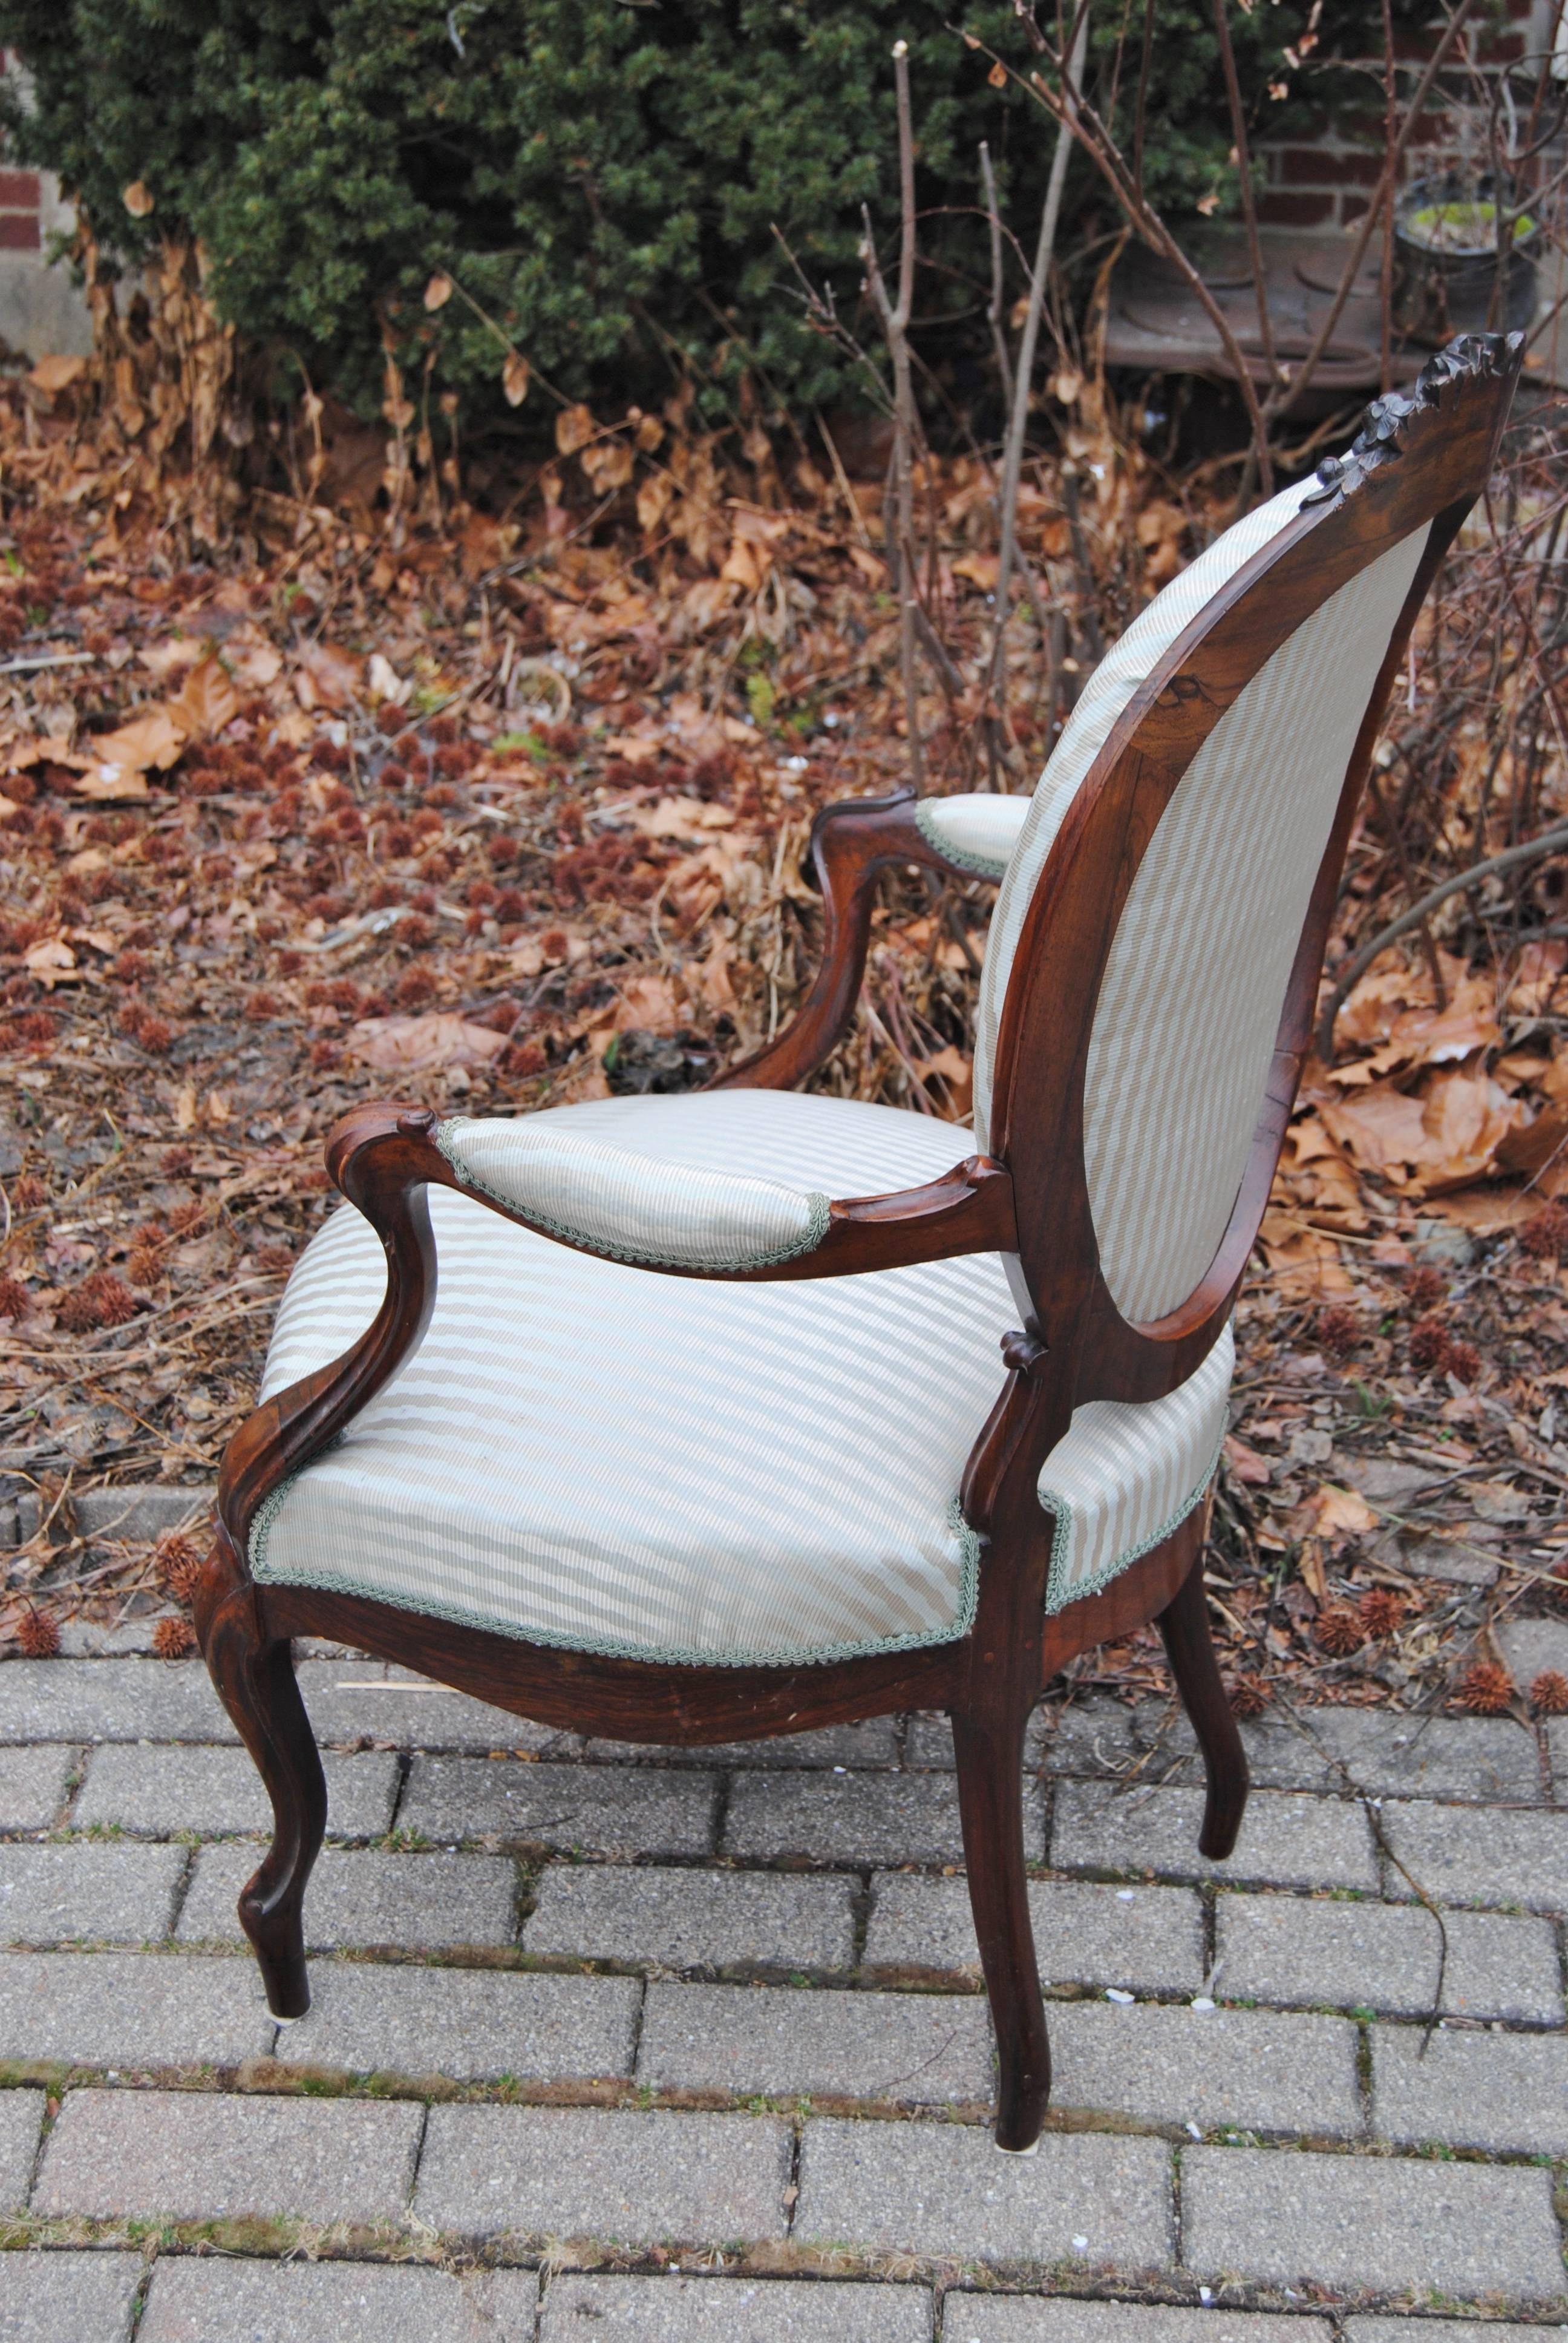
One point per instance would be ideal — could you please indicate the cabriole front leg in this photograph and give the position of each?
(254, 1677)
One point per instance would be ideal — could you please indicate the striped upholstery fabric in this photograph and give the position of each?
(632, 1205)
(978, 831)
(1110, 688)
(1125, 1476)
(1184, 1028)
(588, 1454)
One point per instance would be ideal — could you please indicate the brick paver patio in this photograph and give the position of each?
(614, 2046)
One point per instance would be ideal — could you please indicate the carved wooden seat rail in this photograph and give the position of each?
(1152, 967)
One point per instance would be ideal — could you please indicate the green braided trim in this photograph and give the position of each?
(608, 1647)
(1057, 1593)
(984, 866)
(818, 1211)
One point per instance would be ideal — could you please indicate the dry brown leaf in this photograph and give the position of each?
(438, 291)
(112, 784)
(1537, 978)
(955, 1072)
(683, 817)
(1340, 1513)
(741, 566)
(1466, 1117)
(326, 677)
(1304, 1263)
(1246, 1464)
(150, 741)
(252, 659)
(56, 370)
(1531, 1146)
(706, 602)
(575, 427)
(1380, 1127)
(712, 976)
(137, 198)
(1502, 1205)
(515, 378)
(205, 701)
(646, 1005)
(981, 570)
(608, 463)
(1310, 1563)
(653, 497)
(173, 657)
(410, 1045)
(49, 960)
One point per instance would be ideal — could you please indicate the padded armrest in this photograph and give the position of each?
(631, 1207)
(978, 832)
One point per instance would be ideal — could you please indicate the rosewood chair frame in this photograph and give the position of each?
(1423, 456)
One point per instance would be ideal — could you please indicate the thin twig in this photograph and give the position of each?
(1017, 420)
(895, 319)
(1249, 215)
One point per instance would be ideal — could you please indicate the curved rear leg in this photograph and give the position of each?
(254, 1680)
(1189, 1648)
(989, 1755)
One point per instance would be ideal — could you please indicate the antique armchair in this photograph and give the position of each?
(700, 1436)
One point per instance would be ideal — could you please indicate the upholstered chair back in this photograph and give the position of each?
(1183, 1031)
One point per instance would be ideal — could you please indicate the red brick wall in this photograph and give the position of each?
(1322, 178)
(19, 211)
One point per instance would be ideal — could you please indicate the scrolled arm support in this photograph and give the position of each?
(852, 843)
(382, 1158)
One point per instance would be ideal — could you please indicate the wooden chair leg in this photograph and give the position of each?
(990, 1756)
(256, 1682)
(1190, 1649)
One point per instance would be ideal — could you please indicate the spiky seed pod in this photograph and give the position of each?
(100, 1300)
(1486, 1689)
(1548, 1693)
(1381, 1612)
(179, 1564)
(1424, 1288)
(1463, 1361)
(1338, 1332)
(1430, 1343)
(1248, 1698)
(1546, 1235)
(39, 1636)
(174, 1638)
(1339, 1631)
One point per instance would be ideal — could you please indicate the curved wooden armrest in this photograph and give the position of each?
(852, 843)
(384, 1159)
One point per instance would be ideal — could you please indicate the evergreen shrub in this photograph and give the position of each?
(599, 178)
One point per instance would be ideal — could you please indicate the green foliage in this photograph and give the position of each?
(602, 178)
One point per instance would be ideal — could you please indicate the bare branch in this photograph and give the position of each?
(895, 324)
(1017, 422)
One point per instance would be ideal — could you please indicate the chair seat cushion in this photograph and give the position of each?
(599, 1456)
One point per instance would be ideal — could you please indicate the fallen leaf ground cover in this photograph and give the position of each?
(512, 812)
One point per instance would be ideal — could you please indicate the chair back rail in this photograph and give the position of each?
(1418, 466)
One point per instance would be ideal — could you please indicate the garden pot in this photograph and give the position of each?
(1445, 262)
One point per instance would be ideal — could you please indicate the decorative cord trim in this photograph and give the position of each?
(818, 1216)
(984, 866)
(610, 1646)
(1058, 1593)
